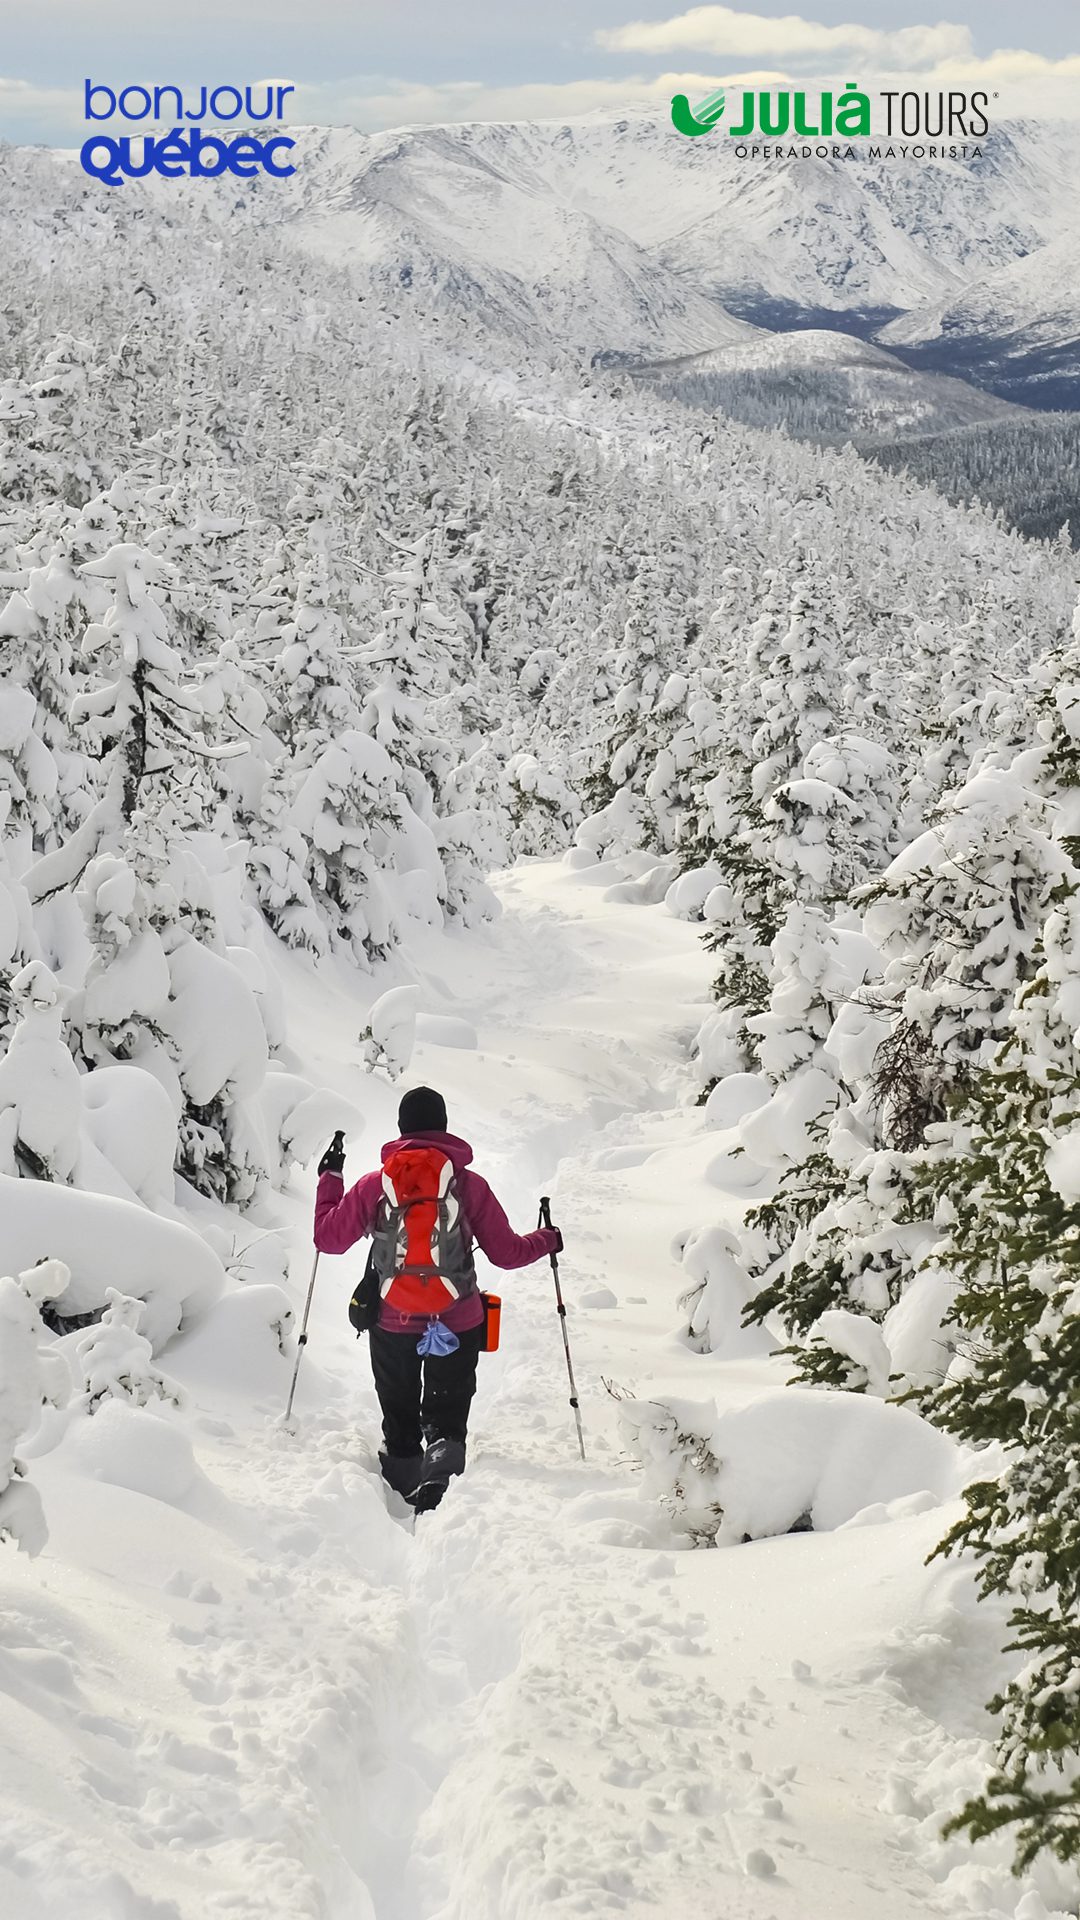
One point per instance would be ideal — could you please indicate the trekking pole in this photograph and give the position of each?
(545, 1221)
(337, 1147)
(302, 1342)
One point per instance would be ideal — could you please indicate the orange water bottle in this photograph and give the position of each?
(492, 1318)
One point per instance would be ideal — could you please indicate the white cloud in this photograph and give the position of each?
(21, 100)
(942, 53)
(1026, 84)
(736, 36)
(374, 102)
(1012, 63)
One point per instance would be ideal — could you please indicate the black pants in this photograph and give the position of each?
(423, 1398)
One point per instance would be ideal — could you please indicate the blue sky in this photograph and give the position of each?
(377, 63)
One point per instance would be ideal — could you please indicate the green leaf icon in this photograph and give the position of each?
(695, 120)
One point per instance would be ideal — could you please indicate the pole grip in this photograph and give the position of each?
(545, 1211)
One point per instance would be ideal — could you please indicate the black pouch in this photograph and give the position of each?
(365, 1303)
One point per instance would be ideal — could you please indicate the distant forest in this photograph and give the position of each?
(1027, 469)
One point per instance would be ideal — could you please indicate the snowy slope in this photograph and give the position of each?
(237, 1684)
(1028, 296)
(1026, 305)
(828, 385)
(481, 216)
(615, 233)
(834, 234)
(867, 234)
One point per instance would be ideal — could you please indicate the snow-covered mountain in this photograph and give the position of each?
(490, 218)
(615, 234)
(1018, 325)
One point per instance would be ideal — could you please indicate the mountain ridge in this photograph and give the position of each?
(631, 239)
(610, 235)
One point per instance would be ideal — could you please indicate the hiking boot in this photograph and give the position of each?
(442, 1460)
(428, 1494)
(402, 1472)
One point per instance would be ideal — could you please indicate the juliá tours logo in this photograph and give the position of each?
(951, 117)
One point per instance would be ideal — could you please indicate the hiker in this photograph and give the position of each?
(424, 1209)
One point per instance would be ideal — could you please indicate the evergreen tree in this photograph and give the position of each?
(1012, 1251)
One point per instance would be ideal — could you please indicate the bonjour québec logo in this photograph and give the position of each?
(188, 149)
(799, 125)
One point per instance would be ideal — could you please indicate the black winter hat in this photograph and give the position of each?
(422, 1111)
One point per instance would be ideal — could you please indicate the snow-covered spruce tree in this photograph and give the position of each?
(471, 837)
(1011, 1252)
(40, 1100)
(347, 817)
(133, 721)
(309, 699)
(818, 835)
(817, 966)
(429, 701)
(542, 806)
(647, 708)
(147, 904)
(29, 778)
(40, 629)
(956, 719)
(233, 707)
(385, 769)
(313, 693)
(162, 992)
(791, 662)
(956, 918)
(17, 942)
(806, 820)
(800, 678)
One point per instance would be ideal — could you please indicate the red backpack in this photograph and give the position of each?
(420, 1254)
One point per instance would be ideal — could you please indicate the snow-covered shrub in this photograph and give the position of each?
(243, 1350)
(108, 1242)
(24, 1386)
(670, 1440)
(129, 1120)
(719, 1290)
(300, 1119)
(117, 1360)
(789, 1458)
(139, 1448)
(390, 1035)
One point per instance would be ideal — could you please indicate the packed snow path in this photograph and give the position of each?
(238, 1686)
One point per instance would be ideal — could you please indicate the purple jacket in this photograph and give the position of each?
(341, 1219)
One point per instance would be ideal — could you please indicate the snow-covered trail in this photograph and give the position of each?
(241, 1687)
